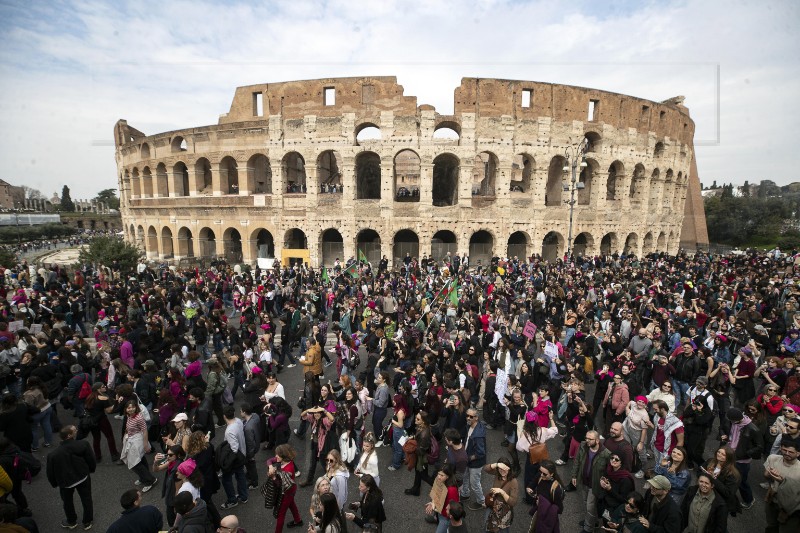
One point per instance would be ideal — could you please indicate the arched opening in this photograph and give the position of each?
(332, 245)
(329, 173)
(442, 244)
(552, 246)
(677, 193)
(293, 168)
(447, 132)
(655, 188)
(637, 185)
(518, 245)
(481, 248)
(368, 242)
(366, 133)
(229, 176)
(484, 174)
(587, 178)
(259, 174)
(178, 144)
(152, 242)
(522, 173)
(136, 183)
(295, 239)
(661, 243)
(593, 141)
(202, 171)
(208, 243)
(232, 244)
(139, 238)
(162, 182)
(616, 173)
(131, 236)
(582, 243)
(608, 244)
(147, 183)
(263, 244)
(167, 246)
(631, 245)
(445, 180)
(659, 150)
(671, 242)
(407, 172)
(406, 243)
(647, 244)
(555, 173)
(185, 243)
(368, 176)
(145, 151)
(666, 195)
(180, 177)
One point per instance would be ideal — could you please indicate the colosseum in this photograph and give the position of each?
(323, 169)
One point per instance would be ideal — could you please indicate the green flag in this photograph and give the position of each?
(362, 257)
(453, 293)
(325, 277)
(352, 270)
(420, 325)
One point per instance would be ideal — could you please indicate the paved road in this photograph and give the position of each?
(403, 512)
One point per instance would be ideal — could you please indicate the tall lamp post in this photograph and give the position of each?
(575, 156)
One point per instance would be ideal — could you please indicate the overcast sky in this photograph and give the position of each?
(69, 70)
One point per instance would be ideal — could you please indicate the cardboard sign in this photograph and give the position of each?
(530, 330)
(16, 325)
(438, 495)
(36, 328)
(551, 350)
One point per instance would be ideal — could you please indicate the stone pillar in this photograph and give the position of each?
(244, 180)
(219, 242)
(348, 179)
(219, 180)
(312, 188)
(194, 180)
(426, 185)
(387, 184)
(135, 188)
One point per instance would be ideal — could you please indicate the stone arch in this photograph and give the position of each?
(552, 246)
(518, 245)
(180, 179)
(367, 133)
(484, 174)
(152, 242)
(583, 244)
(609, 244)
(262, 244)
(446, 169)
(522, 172)
(631, 244)
(638, 185)
(332, 247)
(293, 169)
(185, 242)
(655, 189)
(162, 181)
(368, 176)
(647, 244)
(671, 244)
(586, 178)
(178, 144)
(229, 175)
(147, 183)
(144, 152)
(407, 175)
(167, 245)
(368, 242)
(481, 247)
(136, 183)
(594, 142)
(208, 243)
(259, 174)
(661, 243)
(140, 238)
(232, 245)
(616, 174)
(447, 130)
(443, 242)
(658, 151)
(204, 176)
(406, 241)
(555, 173)
(295, 239)
(329, 172)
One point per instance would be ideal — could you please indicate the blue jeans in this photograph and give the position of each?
(241, 484)
(397, 450)
(204, 350)
(472, 480)
(681, 390)
(378, 416)
(568, 334)
(744, 486)
(238, 382)
(42, 419)
(444, 524)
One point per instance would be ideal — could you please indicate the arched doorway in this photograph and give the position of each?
(152, 242)
(443, 243)
(522, 173)
(481, 248)
(293, 168)
(445, 180)
(208, 243)
(147, 183)
(637, 185)
(661, 243)
(332, 247)
(368, 242)
(202, 170)
(555, 173)
(368, 176)
(329, 174)
(518, 243)
(647, 244)
(608, 244)
(295, 246)
(263, 244)
(232, 243)
(581, 244)
(586, 179)
(167, 250)
(259, 175)
(631, 245)
(229, 176)
(180, 178)
(615, 175)
(552, 246)
(140, 239)
(407, 172)
(484, 174)
(655, 189)
(185, 243)
(162, 182)
(406, 242)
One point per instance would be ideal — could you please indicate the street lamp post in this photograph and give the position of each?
(575, 156)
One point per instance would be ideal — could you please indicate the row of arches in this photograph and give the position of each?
(481, 246)
(256, 176)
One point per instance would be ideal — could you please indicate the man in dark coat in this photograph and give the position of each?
(135, 518)
(69, 467)
(660, 513)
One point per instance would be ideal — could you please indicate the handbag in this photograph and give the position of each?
(537, 453)
(143, 410)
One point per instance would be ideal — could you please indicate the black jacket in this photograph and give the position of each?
(717, 517)
(145, 519)
(196, 520)
(72, 461)
(665, 517)
(751, 443)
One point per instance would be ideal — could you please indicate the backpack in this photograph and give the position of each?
(433, 454)
(342, 415)
(85, 389)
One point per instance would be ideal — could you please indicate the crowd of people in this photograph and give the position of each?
(649, 387)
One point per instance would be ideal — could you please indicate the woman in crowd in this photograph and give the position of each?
(182, 431)
(424, 440)
(283, 464)
(744, 372)
(502, 497)
(337, 475)
(330, 519)
(35, 396)
(310, 398)
(401, 419)
(323, 438)
(368, 462)
(531, 436)
(202, 453)
(276, 417)
(675, 469)
(635, 426)
(169, 463)
(98, 405)
(321, 486)
(664, 392)
(446, 475)
(214, 388)
(616, 483)
(370, 506)
(135, 446)
(548, 500)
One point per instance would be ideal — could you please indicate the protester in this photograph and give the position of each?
(135, 517)
(69, 467)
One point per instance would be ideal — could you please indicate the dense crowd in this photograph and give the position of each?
(638, 366)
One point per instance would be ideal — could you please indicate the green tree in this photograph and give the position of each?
(108, 197)
(7, 258)
(104, 250)
(66, 200)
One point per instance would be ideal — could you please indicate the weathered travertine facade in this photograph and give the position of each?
(289, 172)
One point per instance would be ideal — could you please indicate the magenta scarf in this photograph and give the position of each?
(736, 431)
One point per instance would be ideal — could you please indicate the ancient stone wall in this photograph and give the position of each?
(336, 165)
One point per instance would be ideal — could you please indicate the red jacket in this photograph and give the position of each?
(772, 405)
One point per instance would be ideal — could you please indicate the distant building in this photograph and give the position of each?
(11, 196)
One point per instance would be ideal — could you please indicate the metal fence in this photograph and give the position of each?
(403, 248)
(332, 250)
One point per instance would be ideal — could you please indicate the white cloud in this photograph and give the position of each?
(68, 71)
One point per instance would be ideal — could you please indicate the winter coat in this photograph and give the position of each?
(72, 461)
(717, 517)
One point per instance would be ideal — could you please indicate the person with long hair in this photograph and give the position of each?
(321, 486)
(177, 386)
(368, 462)
(725, 476)
(98, 405)
(330, 519)
(182, 431)
(214, 389)
(531, 435)
(35, 396)
(675, 469)
(281, 469)
(548, 499)
(701, 510)
(423, 437)
(626, 516)
(169, 462)
(447, 476)
(202, 453)
(310, 398)
(502, 497)
(338, 474)
(323, 437)
(399, 423)
(634, 428)
(370, 505)
(136, 446)
(276, 422)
